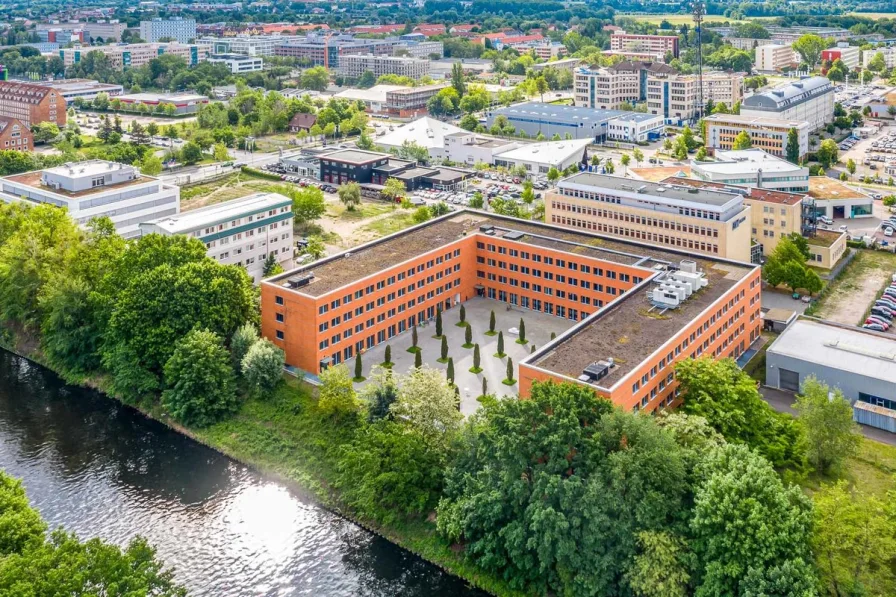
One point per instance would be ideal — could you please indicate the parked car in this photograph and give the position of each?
(874, 327)
(873, 321)
(826, 220)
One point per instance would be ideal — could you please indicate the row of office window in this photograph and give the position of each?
(664, 239)
(640, 220)
(392, 280)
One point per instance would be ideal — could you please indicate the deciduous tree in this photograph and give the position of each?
(200, 381)
(262, 366)
(337, 395)
(832, 435)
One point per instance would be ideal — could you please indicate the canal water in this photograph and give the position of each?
(101, 469)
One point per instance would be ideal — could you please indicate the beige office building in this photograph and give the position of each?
(607, 88)
(769, 134)
(710, 222)
(134, 55)
(775, 215)
(355, 65)
(774, 57)
(676, 97)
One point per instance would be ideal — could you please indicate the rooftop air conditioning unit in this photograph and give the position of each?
(663, 298)
(688, 265)
(596, 371)
(698, 281)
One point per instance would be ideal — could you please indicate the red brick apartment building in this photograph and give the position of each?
(31, 104)
(638, 309)
(15, 135)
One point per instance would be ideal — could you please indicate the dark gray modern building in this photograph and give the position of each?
(861, 363)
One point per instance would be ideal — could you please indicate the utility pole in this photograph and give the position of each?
(699, 10)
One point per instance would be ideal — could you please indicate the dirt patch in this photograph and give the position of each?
(344, 229)
(850, 295)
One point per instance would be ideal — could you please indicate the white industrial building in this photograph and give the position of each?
(238, 63)
(470, 149)
(426, 132)
(374, 99)
(810, 99)
(96, 188)
(753, 168)
(240, 232)
(858, 362)
(888, 53)
(538, 158)
(634, 127)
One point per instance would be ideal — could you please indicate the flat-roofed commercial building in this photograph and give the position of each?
(184, 103)
(420, 49)
(676, 97)
(552, 119)
(631, 42)
(774, 57)
(238, 63)
(768, 134)
(776, 214)
(636, 127)
(96, 188)
(539, 158)
(407, 102)
(849, 55)
(711, 222)
(614, 292)
(607, 88)
(753, 168)
(857, 362)
(810, 99)
(326, 50)
(241, 232)
(355, 65)
(247, 45)
(182, 30)
(133, 55)
(87, 89)
(835, 199)
(350, 165)
(888, 53)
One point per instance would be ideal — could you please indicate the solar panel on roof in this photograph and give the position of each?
(513, 235)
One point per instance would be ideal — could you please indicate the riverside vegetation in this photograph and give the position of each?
(560, 494)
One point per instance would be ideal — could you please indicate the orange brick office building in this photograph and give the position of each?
(623, 344)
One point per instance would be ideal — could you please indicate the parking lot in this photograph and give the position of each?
(850, 297)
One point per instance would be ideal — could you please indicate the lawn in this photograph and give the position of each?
(846, 299)
(361, 212)
(384, 226)
(677, 19)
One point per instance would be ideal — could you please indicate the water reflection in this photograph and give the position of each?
(103, 470)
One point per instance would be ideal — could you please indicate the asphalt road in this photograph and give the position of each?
(783, 401)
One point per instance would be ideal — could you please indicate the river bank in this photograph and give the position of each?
(285, 438)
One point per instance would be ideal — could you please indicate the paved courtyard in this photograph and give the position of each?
(538, 332)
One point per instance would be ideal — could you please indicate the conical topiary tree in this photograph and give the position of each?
(491, 322)
(418, 359)
(414, 339)
(444, 348)
(476, 358)
(500, 344)
(553, 335)
(468, 336)
(439, 322)
(522, 331)
(388, 357)
(463, 314)
(509, 380)
(359, 368)
(450, 372)
(484, 386)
